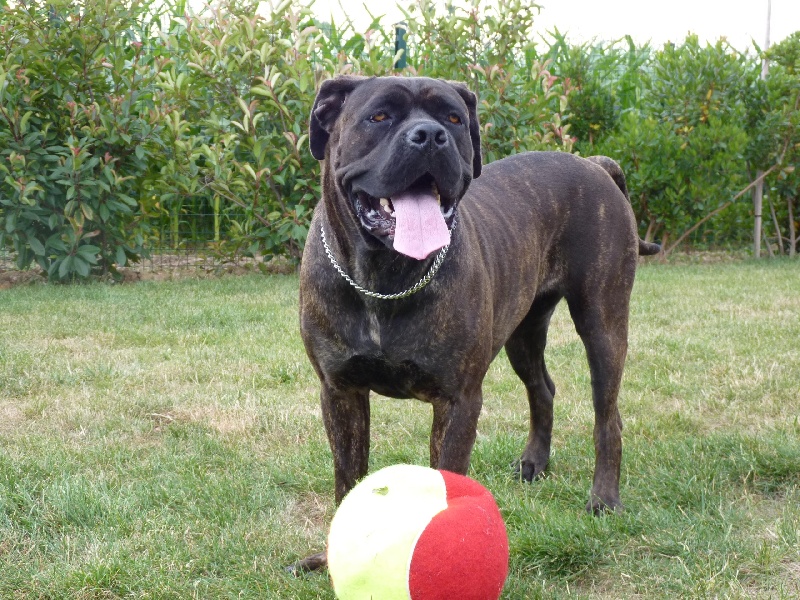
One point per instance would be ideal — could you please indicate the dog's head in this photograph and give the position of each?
(397, 148)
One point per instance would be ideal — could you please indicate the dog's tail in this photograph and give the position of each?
(615, 171)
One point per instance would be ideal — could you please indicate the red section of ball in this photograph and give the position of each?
(463, 552)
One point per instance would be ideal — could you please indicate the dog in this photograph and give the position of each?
(421, 263)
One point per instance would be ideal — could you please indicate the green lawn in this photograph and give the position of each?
(163, 440)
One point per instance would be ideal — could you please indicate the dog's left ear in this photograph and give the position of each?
(471, 100)
(327, 107)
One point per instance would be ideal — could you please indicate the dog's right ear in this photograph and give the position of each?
(327, 107)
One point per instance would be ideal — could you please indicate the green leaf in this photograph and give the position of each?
(56, 243)
(80, 266)
(89, 252)
(65, 268)
(260, 90)
(36, 246)
(299, 232)
(23, 122)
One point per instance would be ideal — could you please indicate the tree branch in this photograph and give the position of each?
(718, 210)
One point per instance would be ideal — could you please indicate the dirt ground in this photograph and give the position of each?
(162, 267)
(168, 267)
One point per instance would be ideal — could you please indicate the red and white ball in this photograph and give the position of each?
(413, 533)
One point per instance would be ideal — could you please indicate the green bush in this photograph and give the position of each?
(76, 135)
(113, 128)
(238, 90)
(691, 125)
(120, 119)
(682, 143)
(776, 139)
(490, 48)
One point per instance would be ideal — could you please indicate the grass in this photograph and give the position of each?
(163, 440)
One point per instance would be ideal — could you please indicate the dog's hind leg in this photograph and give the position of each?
(601, 320)
(525, 350)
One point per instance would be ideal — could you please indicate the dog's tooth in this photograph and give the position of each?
(435, 190)
(384, 202)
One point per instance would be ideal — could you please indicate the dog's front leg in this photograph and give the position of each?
(455, 423)
(345, 413)
(346, 416)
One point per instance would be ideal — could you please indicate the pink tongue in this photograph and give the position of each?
(420, 228)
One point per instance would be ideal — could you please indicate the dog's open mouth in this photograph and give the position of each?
(415, 220)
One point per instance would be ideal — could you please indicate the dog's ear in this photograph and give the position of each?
(327, 107)
(471, 100)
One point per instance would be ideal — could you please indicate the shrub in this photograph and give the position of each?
(238, 88)
(75, 133)
(119, 118)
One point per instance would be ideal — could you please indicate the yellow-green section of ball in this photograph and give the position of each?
(375, 529)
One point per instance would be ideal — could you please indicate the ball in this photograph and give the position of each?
(414, 533)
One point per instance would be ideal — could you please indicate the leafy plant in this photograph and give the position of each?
(775, 138)
(682, 148)
(74, 132)
(238, 89)
(490, 48)
(121, 120)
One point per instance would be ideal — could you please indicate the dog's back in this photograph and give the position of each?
(554, 222)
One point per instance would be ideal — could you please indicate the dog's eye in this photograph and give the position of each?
(455, 119)
(379, 117)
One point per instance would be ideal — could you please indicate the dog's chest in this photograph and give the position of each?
(393, 358)
(373, 326)
(404, 379)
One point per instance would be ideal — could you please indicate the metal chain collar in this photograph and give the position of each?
(412, 290)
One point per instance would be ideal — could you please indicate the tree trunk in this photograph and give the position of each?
(694, 227)
(759, 229)
(758, 192)
(792, 230)
(652, 226)
(777, 226)
(767, 244)
(758, 197)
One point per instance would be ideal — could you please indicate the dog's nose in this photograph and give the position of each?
(427, 135)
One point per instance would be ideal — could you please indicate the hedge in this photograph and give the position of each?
(116, 117)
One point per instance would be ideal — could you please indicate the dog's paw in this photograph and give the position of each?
(526, 470)
(597, 506)
(309, 564)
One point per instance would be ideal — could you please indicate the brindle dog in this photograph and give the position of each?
(400, 161)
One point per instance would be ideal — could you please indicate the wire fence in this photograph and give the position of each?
(194, 241)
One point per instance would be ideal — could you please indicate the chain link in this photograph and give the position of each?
(412, 290)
